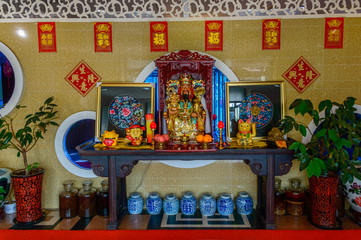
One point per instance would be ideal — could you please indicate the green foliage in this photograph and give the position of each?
(338, 130)
(25, 138)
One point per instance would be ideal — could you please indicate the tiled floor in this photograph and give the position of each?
(145, 221)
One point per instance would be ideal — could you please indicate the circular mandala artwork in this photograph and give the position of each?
(258, 108)
(125, 111)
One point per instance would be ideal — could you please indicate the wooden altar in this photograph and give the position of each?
(117, 164)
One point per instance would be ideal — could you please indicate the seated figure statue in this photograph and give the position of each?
(185, 116)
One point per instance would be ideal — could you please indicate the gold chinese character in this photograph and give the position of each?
(43, 36)
(82, 69)
(301, 83)
(334, 35)
(292, 74)
(44, 42)
(74, 77)
(300, 66)
(309, 74)
(50, 42)
(50, 36)
(91, 78)
(159, 39)
(100, 42)
(213, 38)
(106, 43)
(83, 87)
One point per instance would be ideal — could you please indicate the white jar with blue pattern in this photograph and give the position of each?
(244, 203)
(170, 204)
(207, 205)
(225, 204)
(188, 204)
(135, 203)
(154, 203)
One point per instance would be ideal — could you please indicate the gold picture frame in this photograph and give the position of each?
(142, 96)
(260, 101)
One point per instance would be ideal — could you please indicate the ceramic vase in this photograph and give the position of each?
(244, 203)
(170, 204)
(5, 180)
(135, 203)
(154, 203)
(188, 204)
(225, 204)
(207, 205)
(323, 192)
(352, 193)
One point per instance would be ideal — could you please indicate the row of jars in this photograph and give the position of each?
(188, 204)
(291, 199)
(86, 203)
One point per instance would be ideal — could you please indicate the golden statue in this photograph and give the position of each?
(246, 130)
(185, 115)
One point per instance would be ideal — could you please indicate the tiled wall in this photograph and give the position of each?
(44, 76)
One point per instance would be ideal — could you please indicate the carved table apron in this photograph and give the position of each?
(117, 164)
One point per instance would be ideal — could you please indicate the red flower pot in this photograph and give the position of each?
(27, 190)
(323, 192)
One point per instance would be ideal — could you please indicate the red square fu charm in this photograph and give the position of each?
(301, 74)
(83, 78)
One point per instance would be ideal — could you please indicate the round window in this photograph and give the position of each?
(73, 131)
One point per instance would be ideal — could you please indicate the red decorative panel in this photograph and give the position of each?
(301, 74)
(334, 32)
(46, 37)
(214, 36)
(83, 78)
(323, 201)
(103, 37)
(159, 37)
(271, 34)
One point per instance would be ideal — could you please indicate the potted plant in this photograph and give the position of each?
(326, 155)
(27, 182)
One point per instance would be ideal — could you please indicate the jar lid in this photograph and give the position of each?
(244, 194)
(135, 194)
(87, 183)
(170, 196)
(188, 195)
(153, 195)
(104, 182)
(207, 196)
(68, 183)
(225, 195)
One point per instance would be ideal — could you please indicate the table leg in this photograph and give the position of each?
(270, 221)
(113, 185)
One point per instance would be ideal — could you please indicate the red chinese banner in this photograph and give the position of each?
(46, 37)
(83, 78)
(214, 36)
(334, 33)
(271, 34)
(159, 37)
(103, 37)
(301, 74)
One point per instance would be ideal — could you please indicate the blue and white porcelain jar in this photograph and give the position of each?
(244, 203)
(154, 203)
(225, 204)
(135, 203)
(170, 204)
(188, 204)
(207, 205)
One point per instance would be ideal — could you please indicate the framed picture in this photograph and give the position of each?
(260, 102)
(121, 105)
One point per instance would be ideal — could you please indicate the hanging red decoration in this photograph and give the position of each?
(159, 37)
(214, 35)
(83, 78)
(103, 37)
(334, 33)
(301, 74)
(271, 34)
(46, 37)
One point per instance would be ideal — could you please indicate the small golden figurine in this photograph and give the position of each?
(109, 139)
(135, 134)
(246, 130)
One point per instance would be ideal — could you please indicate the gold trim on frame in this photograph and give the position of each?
(252, 83)
(120, 85)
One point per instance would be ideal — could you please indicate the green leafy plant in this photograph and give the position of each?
(338, 130)
(25, 138)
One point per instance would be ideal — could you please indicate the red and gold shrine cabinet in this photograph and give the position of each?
(170, 66)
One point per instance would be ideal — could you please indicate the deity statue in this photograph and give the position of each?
(185, 115)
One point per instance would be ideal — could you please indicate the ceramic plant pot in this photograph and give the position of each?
(323, 191)
(353, 195)
(27, 190)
